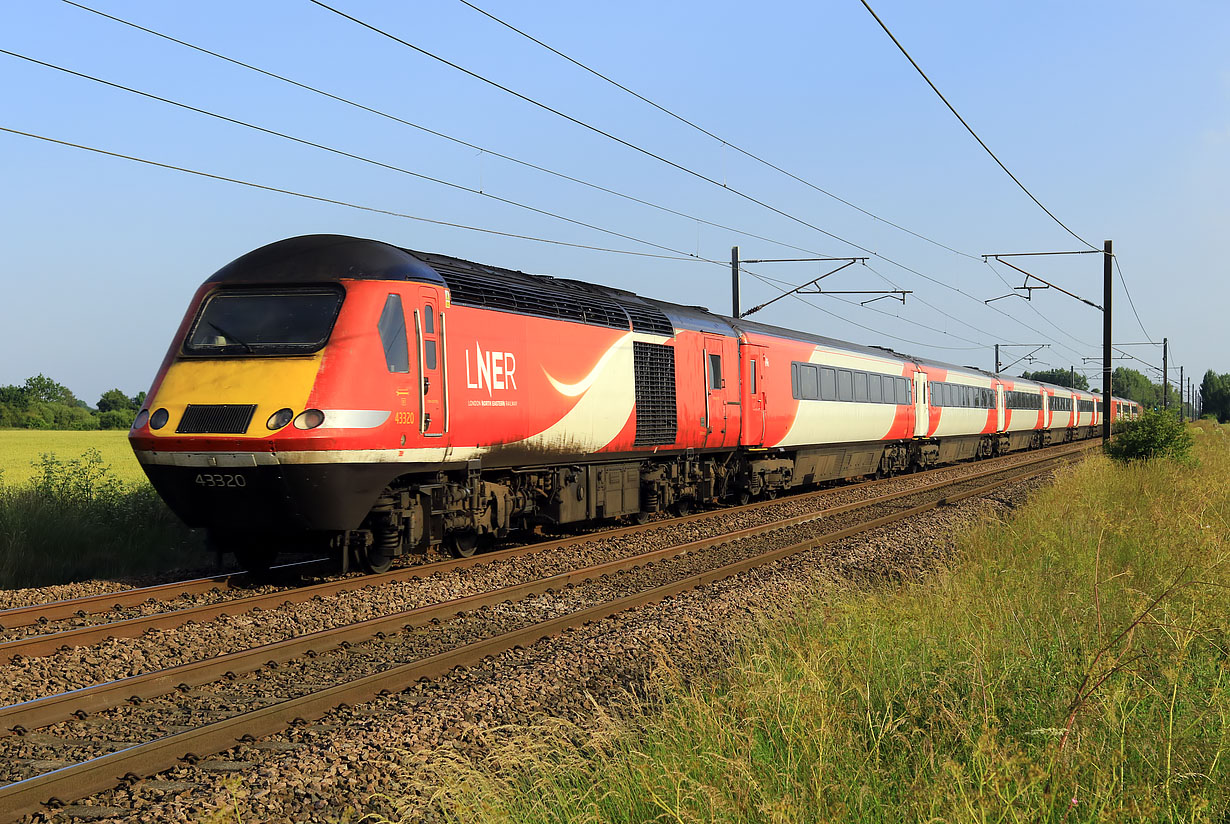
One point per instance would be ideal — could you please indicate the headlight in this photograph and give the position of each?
(279, 419)
(309, 419)
(142, 419)
(159, 419)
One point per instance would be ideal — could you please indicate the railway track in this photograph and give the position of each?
(32, 630)
(350, 663)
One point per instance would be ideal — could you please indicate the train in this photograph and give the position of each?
(350, 395)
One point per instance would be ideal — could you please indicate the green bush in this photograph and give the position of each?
(115, 419)
(1155, 434)
(75, 519)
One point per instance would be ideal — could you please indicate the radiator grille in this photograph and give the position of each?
(216, 419)
(646, 318)
(533, 296)
(654, 374)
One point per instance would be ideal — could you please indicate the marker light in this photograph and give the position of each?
(142, 419)
(159, 419)
(279, 419)
(309, 419)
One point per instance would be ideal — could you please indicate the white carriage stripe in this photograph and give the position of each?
(354, 418)
(323, 456)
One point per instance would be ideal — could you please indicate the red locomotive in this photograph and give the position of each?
(384, 401)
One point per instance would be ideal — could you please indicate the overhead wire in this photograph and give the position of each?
(969, 128)
(348, 204)
(1131, 302)
(608, 135)
(343, 153)
(978, 344)
(388, 166)
(1008, 285)
(468, 144)
(878, 332)
(434, 132)
(745, 152)
(994, 157)
(677, 252)
(682, 255)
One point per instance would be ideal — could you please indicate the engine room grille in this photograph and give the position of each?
(216, 419)
(653, 369)
(646, 318)
(544, 299)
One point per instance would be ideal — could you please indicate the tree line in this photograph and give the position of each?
(1215, 396)
(1135, 386)
(41, 403)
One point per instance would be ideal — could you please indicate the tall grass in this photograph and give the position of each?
(74, 519)
(1071, 666)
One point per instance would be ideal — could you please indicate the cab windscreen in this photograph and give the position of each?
(264, 321)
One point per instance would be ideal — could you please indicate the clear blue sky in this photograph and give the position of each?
(1113, 113)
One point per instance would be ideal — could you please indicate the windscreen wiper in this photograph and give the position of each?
(229, 336)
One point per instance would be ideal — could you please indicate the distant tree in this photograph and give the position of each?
(115, 419)
(41, 388)
(14, 396)
(1133, 385)
(1059, 377)
(1215, 393)
(113, 400)
(42, 403)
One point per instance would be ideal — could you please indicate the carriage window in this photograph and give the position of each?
(860, 386)
(808, 390)
(873, 388)
(715, 371)
(845, 385)
(752, 371)
(903, 390)
(392, 329)
(828, 384)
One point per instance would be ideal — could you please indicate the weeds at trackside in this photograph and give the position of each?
(75, 520)
(1072, 666)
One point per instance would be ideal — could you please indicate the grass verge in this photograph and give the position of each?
(20, 450)
(74, 520)
(1072, 666)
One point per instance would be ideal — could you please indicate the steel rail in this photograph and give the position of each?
(42, 712)
(17, 617)
(104, 772)
(36, 645)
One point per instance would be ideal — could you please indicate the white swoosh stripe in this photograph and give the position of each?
(572, 390)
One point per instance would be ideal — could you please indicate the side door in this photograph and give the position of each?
(922, 411)
(429, 343)
(1000, 415)
(716, 391)
(752, 396)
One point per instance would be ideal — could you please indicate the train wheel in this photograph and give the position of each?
(640, 518)
(464, 543)
(379, 556)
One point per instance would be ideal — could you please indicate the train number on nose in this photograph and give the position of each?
(221, 479)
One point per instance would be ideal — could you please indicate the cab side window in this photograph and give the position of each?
(392, 329)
